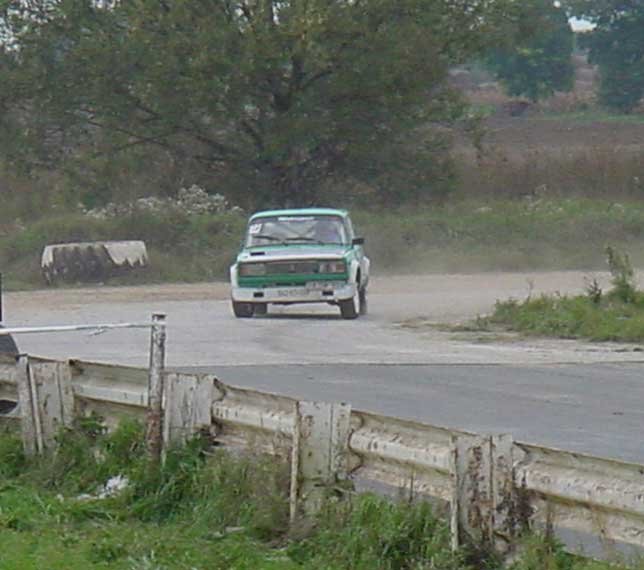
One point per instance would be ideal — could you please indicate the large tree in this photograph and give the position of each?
(616, 45)
(273, 99)
(538, 59)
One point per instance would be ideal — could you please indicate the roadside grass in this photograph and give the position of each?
(461, 235)
(209, 510)
(617, 315)
(571, 317)
(502, 235)
(181, 248)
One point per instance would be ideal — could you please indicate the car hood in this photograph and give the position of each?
(287, 253)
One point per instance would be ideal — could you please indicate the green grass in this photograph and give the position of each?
(502, 235)
(458, 236)
(205, 510)
(571, 317)
(180, 247)
(617, 315)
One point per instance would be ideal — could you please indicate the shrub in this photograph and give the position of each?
(623, 276)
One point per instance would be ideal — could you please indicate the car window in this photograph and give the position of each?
(296, 229)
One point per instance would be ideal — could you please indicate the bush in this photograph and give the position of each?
(623, 276)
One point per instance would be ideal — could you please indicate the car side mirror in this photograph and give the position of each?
(357, 241)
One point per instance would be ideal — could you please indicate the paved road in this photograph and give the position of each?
(580, 396)
(596, 409)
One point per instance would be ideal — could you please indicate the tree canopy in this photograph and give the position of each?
(616, 45)
(270, 100)
(538, 60)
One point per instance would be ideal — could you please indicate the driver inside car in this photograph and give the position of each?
(327, 232)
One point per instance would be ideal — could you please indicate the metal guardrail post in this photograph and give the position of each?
(154, 424)
(471, 517)
(320, 450)
(46, 402)
(482, 504)
(188, 406)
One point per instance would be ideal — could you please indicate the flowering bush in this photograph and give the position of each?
(189, 201)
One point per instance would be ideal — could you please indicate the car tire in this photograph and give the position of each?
(364, 305)
(350, 308)
(260, 308)
(243, 310)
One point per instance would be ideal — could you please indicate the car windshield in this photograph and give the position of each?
(296, 229)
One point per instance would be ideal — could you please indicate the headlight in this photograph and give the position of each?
(252, 269)
(332, 267)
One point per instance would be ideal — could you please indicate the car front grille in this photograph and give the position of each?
(291, 267)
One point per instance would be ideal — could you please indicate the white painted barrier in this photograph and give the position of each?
(494, 486)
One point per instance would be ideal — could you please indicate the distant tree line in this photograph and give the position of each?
(275, 102)
(616, 45)
(537, 64)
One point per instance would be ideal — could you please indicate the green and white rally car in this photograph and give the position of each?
(300, 256)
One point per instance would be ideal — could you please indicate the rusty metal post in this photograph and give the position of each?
(506, 524)
(471, 504)
(154, 427)
(483, 491)
(320, 450)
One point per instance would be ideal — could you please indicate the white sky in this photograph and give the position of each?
(580, 25)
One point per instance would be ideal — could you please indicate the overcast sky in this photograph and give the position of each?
(580, 25)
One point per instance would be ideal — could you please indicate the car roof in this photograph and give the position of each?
(301, 212)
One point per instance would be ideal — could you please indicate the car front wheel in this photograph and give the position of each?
(363, 301)
(350, 308)
(243, 310)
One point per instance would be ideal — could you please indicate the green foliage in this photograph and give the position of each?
(616, 316)
(13, 458)
(272, 102)
(623, 276)
(457, 236)
(616, 45)
(203, 510)
(538, 61)
(545, 553)
(87, 456)
(371, 532)
(181, 247)
(573, 317)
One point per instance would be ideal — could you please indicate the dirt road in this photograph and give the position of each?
(202, 330)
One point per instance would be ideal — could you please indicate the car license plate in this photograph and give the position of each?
(318, 285)
(286, 293)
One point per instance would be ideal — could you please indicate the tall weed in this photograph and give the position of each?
(369, 532)
(623, 276)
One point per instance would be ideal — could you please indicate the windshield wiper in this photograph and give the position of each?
(304, 238)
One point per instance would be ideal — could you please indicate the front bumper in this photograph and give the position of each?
(310, 293)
